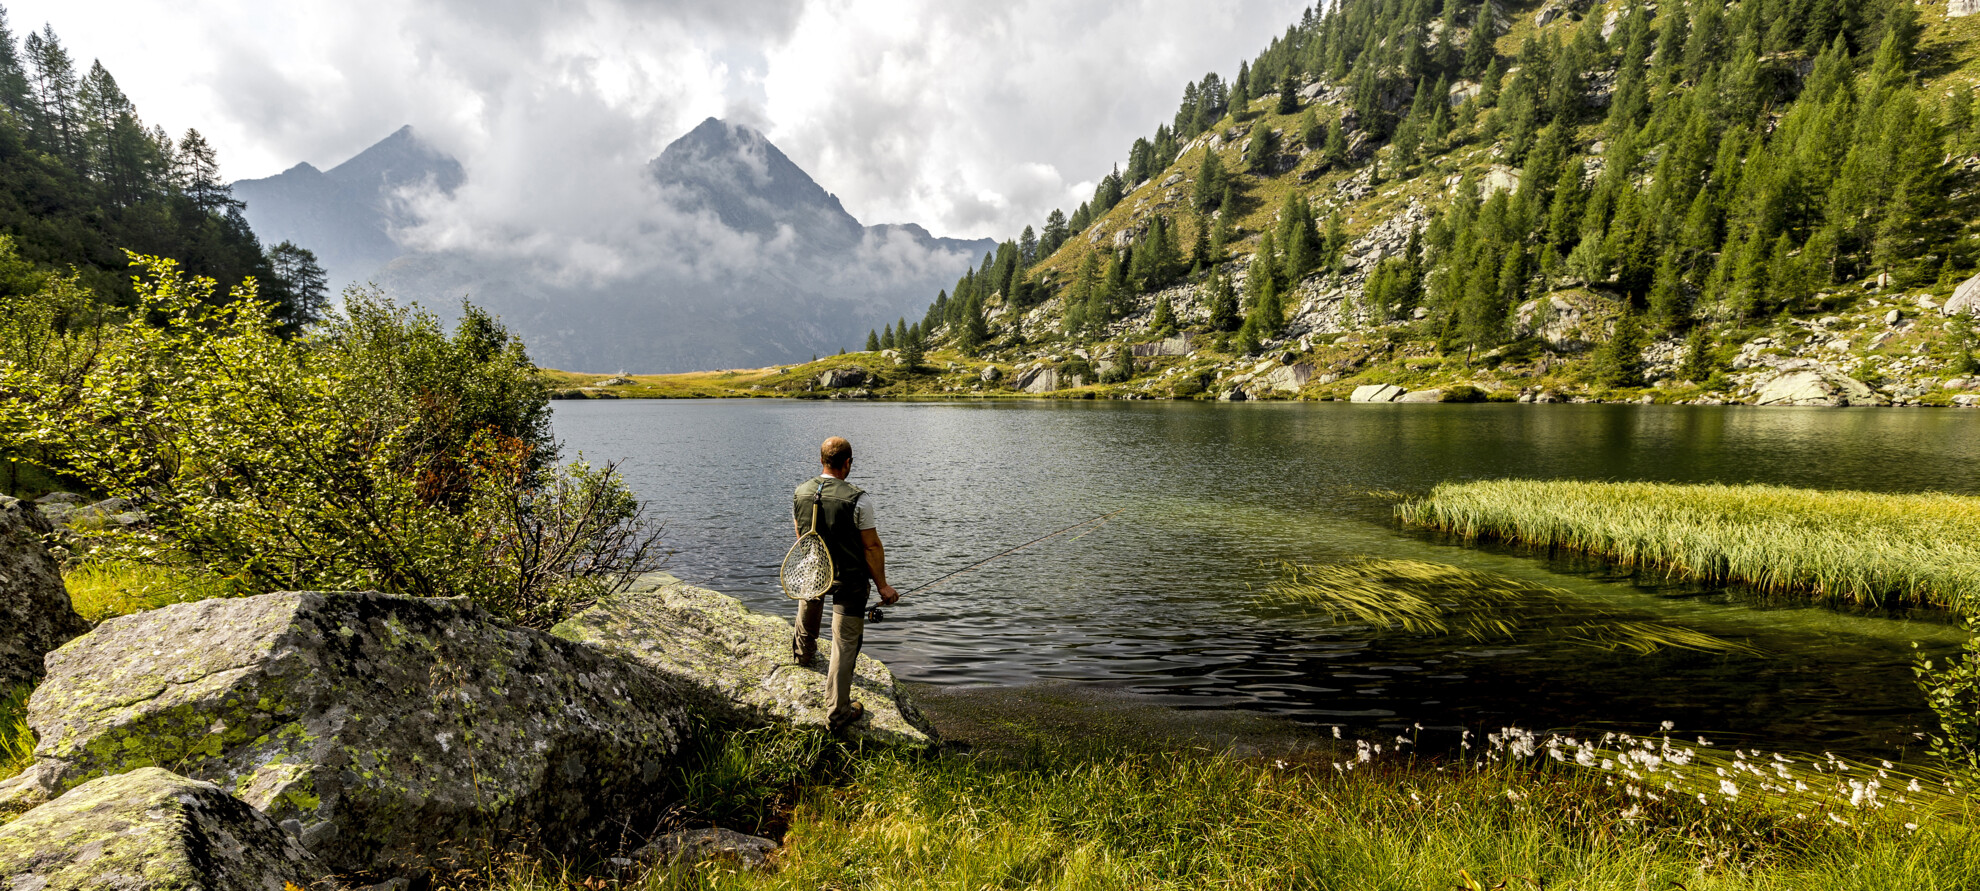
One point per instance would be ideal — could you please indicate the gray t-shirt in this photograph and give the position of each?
(862, 511)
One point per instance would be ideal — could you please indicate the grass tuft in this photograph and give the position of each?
(101, 590)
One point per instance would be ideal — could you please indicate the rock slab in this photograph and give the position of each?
(1966, 297)
(151, 830)
(1814, 386)
(735, 665)
(1376, 393)
(35, 613)
(384, 732)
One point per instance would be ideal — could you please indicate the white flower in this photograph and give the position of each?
(1727, 786)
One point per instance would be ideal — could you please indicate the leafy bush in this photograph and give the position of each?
(1952, 689)
(381, 453)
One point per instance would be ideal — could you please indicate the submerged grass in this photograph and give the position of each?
(1845, 548)
(1417, 597)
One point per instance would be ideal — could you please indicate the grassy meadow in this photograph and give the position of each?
(1840, 548)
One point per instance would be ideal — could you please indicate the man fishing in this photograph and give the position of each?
(845, 521)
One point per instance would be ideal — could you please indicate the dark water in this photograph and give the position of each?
(1167, 601)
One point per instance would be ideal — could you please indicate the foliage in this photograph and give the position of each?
(383, 454)
(1952, 689)
(16, 738)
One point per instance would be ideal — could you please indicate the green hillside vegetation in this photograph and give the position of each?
(83, 179)
(1579, 196)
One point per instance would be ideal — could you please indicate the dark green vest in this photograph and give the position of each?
(835, 524)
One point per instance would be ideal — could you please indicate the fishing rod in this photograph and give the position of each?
(875, 615)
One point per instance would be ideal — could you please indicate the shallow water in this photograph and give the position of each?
(1168, 600)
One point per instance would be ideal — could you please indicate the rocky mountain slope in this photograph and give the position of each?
(1570, 199)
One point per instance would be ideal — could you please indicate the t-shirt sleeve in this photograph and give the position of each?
(863, 513)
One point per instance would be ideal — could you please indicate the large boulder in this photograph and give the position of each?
(1433, 395)
(151, 830)
(1966, 297)
(1037, 379)
(841, 378)
(1958, 8)
(1818, 385)
(734, 664)
(386, 733)
(35, 613)
(1376, 393)
(1286, 378)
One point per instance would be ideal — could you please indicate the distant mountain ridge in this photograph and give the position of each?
(823, 280)
(346, 215)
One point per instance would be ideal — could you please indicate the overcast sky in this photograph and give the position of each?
(971, 118)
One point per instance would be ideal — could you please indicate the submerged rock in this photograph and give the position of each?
(151, 829)
(735, 664)
(35, 613)
(385, 732)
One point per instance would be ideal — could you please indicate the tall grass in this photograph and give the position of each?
(1852, 548)
(103, 589)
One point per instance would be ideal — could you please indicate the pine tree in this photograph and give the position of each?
(1618, 362)
(1223, 304)
(1698, 361)
(912, 351)
(887, 338)
(1478, 49)
(1312, 133)
(872, 341)
(1288, 95)
(1163, 319)
(1208, 190)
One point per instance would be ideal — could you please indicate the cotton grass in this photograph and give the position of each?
(1847, 548)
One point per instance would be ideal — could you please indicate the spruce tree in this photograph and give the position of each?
(872, 341)
(887, 338)
(1618, 362)
(1288, 95)
(1223, 303)
(1163, 319)
(1208, 190)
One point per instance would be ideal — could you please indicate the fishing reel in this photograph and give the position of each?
(874, 614)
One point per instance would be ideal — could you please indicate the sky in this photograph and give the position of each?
(971, 118)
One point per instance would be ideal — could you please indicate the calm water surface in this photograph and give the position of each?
(1168, 600)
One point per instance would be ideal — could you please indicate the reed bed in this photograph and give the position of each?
(1846, 548)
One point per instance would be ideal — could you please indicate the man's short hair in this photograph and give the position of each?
(836, 453)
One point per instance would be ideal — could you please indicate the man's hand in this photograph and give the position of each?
(888, 595)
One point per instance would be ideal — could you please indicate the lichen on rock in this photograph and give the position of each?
(151, 830)
(35, 613)
(384, 732)
(736, 664)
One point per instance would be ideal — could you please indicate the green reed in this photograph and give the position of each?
(1849, 548)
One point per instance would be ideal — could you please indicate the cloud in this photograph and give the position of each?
(972, 119)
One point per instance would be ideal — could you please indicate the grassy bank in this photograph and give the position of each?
(1850, 548)
(1067, 820)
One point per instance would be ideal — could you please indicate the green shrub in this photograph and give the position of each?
(382, 453)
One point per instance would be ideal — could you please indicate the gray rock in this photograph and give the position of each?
(1234, 394)
(150, 829)
(735, 665)
(1286, 378)
(1818, 385)
(35, 613)
(1038, 379)
(842, 378)
(1376, 393)
(61, 498)
(1433, 395)
(1498, 178)
(1893, 317)
(1169, 346)
(702, 845)
(991, 374)
(1958, 8)
(1966, 297)
(386, 733)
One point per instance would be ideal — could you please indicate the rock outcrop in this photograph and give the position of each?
(1434, 395)
(841, 378)
(35, 613)
(1376, 393)
(1966, 297)
(1958, 8)
(151, 829)
(735, 665)
(1816, 385)
(384, 732)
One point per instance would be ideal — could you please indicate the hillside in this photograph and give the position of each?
(1765, 201)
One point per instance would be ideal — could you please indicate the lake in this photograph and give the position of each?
(1169, 601)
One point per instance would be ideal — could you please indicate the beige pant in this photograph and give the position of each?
(848, 632)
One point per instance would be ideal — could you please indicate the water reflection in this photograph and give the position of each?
(1166, 599)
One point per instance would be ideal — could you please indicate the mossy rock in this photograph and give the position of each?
(386, 733)
(151, 830)
(35, 613)
(735, 664)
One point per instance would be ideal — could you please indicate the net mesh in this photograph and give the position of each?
(807, 571)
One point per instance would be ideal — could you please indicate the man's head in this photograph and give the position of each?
(836, 455)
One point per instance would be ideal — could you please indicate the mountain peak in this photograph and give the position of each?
(752, 186)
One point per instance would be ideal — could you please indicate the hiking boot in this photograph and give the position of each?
(838, 721)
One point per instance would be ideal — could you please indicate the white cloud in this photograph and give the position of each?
(971, 119)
